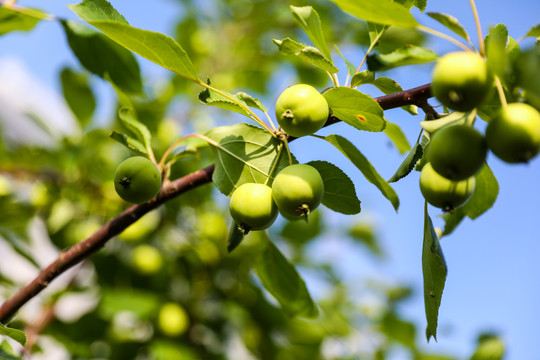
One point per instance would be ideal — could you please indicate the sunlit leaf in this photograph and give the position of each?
(310, 21)
(129, 142)
(156, 47)
(244, 153)
(407, 55)
(451, 23)
(139, 130)
(397, 136)
(380, 11)
(15, 334)
(19, 19)
(308, 53)
(78, 95)
(495, 49)
(534, 32)
(355, 108)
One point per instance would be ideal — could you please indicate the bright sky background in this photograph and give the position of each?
(494, 273)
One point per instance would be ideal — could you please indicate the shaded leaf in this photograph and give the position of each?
(360, 161)
(244, 153)
(534, 32)
(375, 31)
(407, 55)
(381, 12)
(355, 108)
(156, 47)
(399, 330)
(434, 271)
(397, 136)
(495, 43)
(483, 198)
(129, 142)
(363, 233)
(19, 19)
(236, 235)
(451, 23)
(339, 192)
(310, 21)
(78, 95)
(7, 353)
(302, 231)
(15, 334)
(363, 77)
(139, 130)
(142, 303)
(308, 53)
(281, 279)
(408, 163)
(389, 86)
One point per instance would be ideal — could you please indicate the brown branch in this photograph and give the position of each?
(170, 189)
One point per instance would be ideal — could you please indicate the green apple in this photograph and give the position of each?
(461, 80)
(301, 110)
(297, 190)
(514, 133)
(443, 193)
(252, 207)
(137, 180)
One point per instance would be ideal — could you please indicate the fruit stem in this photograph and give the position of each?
(270, 122)
(481, 46)
(274, 166)
(284, 139)
(444, 36)
(500, 91)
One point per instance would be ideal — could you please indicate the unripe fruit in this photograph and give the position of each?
(137, 180)
(457, 152)
(514, 133)
(301, 110)
(173, 320)
(298, 190)
(252, 207)
(461, 80)
(443, 193)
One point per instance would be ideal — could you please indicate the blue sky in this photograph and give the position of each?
(493, 281)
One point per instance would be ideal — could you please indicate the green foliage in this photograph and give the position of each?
(19, 19)
(434, 270)
(380, 12)
(15, 334)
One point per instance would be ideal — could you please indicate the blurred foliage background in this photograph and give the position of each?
(167, 288)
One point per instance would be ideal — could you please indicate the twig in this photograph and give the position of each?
(169, 190)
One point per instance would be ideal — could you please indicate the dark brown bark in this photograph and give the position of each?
(170, 189)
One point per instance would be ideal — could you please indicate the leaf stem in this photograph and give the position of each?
(443, 36)
(171, 148)
(274, 166)
(270, 122)
(371, 46)
(500, 91)
(481, 45)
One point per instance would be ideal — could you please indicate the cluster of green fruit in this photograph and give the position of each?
(461, 81)
(297, 189)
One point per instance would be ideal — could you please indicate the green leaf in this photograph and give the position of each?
(308, 53)
(454, 118)
(389, 86)
(351, 69)
(158, 48)
(339, 192)
(363, 233)
(139, 130)
(7, 353)
(19, 19)
(483, 198)
(534, 32)
(380, 11)
(309, 20)
(355, 108)
(129, 142)
(281, 279)
(302, 231)
(434, 271)
(363, 77)
(103, 57)
(230, 101)
(15, 334)
(451, 23)
(495, 43)
(490, 347)
(236, 235)
(78, 95)
(244, 153)
(407, 55)
(397, 136)
(360, 161)
(399, 330)
(408, 163)
(140, 302)
(375, 32)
